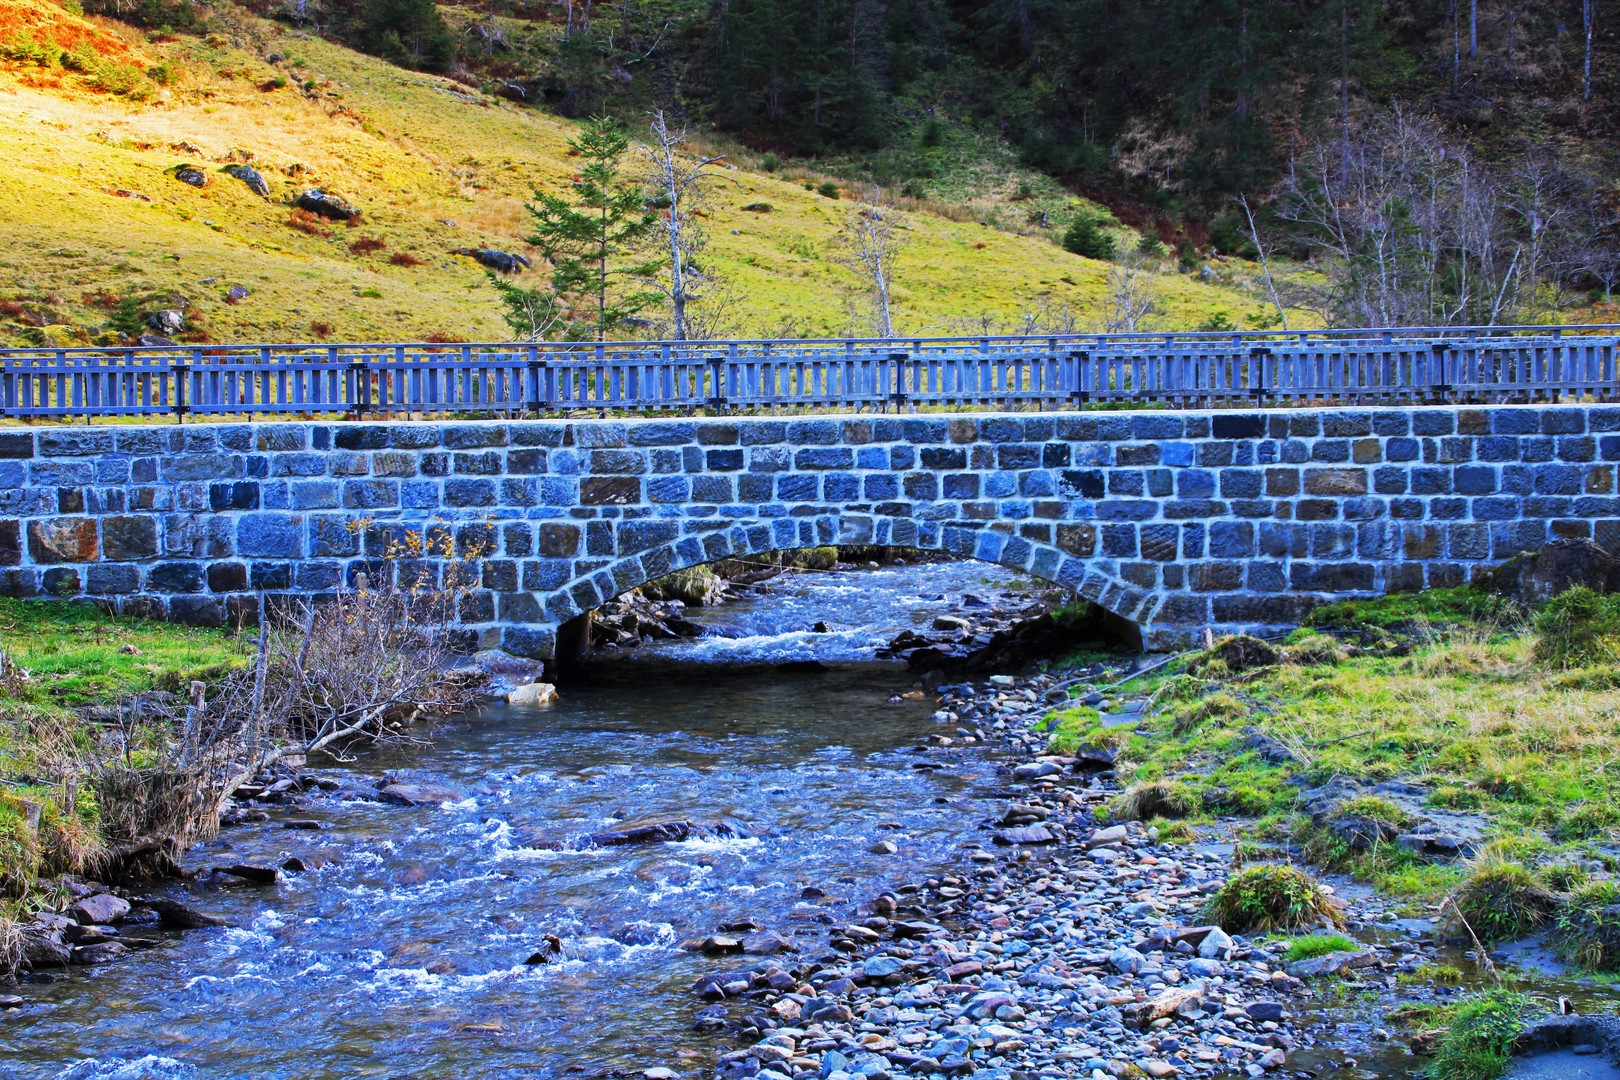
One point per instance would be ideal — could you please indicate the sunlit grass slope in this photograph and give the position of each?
(434, 166)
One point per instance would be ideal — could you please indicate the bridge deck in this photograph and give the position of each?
(1410, 365)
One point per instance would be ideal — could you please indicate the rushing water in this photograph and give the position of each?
(403, 955)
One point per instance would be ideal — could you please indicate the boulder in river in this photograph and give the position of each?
(659, 831)
(406, 793)
(258, 875)
(103, 953)
(532, 695)
(177, 916)
(100, 908)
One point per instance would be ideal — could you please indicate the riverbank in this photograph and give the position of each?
(68, 738)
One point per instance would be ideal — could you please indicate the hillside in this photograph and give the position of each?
(93, 213)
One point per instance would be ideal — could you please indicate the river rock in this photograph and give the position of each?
(766, 943)
(1332, 963)
(1034, 834)
(1034, 770)
(104, 953)
(100, 908)
(44, 949)
(1215, 944)
(258, 875)
(1126, 961)
(532, 695)
(177, 916)
(420, 794)
(657, 831)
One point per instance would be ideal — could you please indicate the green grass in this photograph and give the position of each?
(1479, 1040)
(77, 654)
(1309, 948)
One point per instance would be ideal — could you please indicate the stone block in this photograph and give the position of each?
(176, 577)
(270, 535)
(238, 495)
(198, 610)
(202, 467)
(479, 436)
(359, 436)
(129, 537)
(63, 540)
(112, 579)
(1336, 481)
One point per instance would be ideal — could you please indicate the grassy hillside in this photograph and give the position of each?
(91, 213)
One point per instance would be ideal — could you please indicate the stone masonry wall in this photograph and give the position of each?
(1177, 520)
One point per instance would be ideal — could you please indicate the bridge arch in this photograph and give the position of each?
(545, 612)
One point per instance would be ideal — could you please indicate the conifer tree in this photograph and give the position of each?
(592, 241)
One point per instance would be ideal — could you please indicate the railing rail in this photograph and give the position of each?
(1464, 364)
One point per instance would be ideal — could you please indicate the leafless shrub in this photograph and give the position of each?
(1133, 296)
(872, 246)
(361, 666)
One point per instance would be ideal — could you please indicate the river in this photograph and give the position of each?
(402, 954)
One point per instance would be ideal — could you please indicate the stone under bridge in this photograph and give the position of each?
(1177, 520)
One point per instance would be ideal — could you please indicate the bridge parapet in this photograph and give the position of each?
(1177, 520)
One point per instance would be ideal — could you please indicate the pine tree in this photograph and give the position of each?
(1085, 238)
(586, 240)
(409, 32)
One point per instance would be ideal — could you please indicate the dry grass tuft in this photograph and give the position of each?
(308, 222)
(1154, 799)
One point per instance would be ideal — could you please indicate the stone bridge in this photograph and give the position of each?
(1175, 520)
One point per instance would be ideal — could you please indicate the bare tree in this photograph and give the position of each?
(677, 186)
(872, 240)
(1265, 263)
(1133, 296)
(1408, 229)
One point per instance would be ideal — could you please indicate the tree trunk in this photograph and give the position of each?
(1588, 17)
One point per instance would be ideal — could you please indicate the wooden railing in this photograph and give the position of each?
(1496, 364)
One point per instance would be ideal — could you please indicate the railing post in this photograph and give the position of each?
(717, 383)
(1439, 386)
(1258, 357)
(536, 367)
(1078, 394)
(897, 396)
(362, 388)
(181, 374)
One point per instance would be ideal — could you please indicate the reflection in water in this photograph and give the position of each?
(403, 955)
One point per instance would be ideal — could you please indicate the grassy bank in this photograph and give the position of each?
(1468, 711)
(69, 665)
